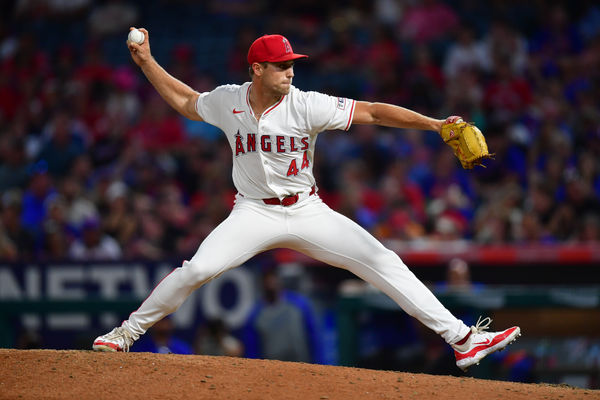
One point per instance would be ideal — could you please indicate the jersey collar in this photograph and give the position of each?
(268, 110)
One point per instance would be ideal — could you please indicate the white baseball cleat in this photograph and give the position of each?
(119, 339)
(479, 343)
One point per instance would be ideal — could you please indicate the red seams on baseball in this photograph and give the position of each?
(452, 119)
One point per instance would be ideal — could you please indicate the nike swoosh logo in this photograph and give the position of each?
(238, 111)
(488, 341)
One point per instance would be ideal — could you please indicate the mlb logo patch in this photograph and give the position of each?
(341, 103)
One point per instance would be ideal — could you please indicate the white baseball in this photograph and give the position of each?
(136, 36)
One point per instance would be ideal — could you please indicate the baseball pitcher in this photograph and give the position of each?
(272, 128)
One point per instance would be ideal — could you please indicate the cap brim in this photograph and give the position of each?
(288, 57)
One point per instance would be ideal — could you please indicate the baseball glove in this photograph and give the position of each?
(466, 140)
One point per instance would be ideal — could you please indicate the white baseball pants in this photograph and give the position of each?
(312, 228)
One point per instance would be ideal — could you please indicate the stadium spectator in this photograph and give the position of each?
(78, 207)
(464, 54)
(282, 325)
(94, 244)
(119, 221)
(40, 188)
(427, 20)
(65, 143)
(14, 169)
(16, 243)
(112, 17)
(214, 339)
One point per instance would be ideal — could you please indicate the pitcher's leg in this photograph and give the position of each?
(243, 234)
(334, 239)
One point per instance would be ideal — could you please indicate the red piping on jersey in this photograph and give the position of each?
(248, 100)
(250, 107)
(271, 109)
(351, 115)
(152, 291)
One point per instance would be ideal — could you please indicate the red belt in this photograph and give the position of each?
(288, 200)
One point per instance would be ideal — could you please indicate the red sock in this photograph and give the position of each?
(464, 340)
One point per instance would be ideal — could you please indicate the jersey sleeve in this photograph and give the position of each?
(326, 112)
(211, 106)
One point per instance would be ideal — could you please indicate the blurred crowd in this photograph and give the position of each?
(95, 165)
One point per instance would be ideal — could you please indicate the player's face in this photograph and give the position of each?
(278, 76)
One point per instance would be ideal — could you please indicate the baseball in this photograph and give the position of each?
(136, 36)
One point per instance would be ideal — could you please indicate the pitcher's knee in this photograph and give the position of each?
(197, 274)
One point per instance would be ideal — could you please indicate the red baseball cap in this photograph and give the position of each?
(272, 48)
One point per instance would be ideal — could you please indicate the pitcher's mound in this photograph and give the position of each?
(52, 374)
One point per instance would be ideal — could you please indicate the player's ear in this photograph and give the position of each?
(258, 68)
(255, 67)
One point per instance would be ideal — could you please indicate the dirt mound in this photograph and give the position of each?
(51, 374)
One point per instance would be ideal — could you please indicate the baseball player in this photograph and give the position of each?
(272, 128)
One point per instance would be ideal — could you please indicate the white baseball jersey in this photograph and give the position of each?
(273, 155)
